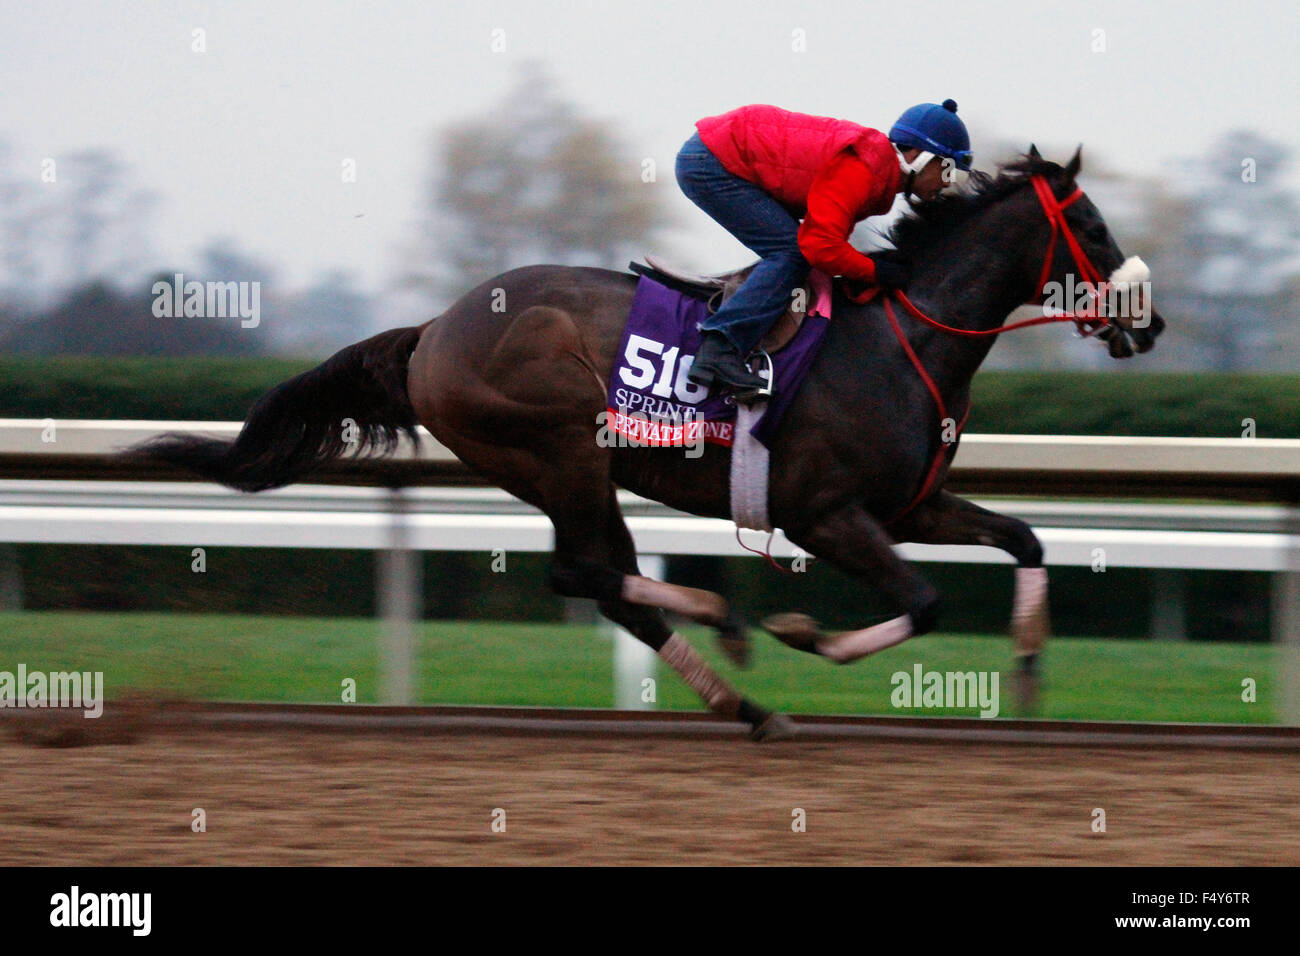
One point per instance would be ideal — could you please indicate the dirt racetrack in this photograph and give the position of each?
(312, 797)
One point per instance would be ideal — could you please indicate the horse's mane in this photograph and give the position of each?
(926, 222)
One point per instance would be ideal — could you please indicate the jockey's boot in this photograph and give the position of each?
(718, 364)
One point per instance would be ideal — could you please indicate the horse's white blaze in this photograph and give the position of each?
(849, 646)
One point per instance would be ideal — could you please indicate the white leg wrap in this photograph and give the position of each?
(698, 605)
(1029, 610)
(716, 692)
(849, 646)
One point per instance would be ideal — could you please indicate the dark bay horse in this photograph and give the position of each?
(512, 378)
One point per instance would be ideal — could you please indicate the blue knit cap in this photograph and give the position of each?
(934, 129)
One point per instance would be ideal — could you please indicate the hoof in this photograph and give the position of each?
(794, 630)
(773, 728)
(733, 638)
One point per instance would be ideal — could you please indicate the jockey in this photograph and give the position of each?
(758, 170)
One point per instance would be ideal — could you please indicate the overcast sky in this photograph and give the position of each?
(246, 139)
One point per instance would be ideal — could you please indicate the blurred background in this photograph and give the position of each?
(368, 164)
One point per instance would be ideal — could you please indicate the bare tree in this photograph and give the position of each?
(532, 183)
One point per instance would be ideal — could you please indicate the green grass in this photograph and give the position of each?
(231, 657)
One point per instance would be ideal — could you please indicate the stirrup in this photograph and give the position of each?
(750, 395)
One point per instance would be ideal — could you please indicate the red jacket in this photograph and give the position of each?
(831, 173)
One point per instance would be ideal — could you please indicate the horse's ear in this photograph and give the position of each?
(1034, 153)
(1072, 167)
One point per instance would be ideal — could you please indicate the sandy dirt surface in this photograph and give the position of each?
(299, 797)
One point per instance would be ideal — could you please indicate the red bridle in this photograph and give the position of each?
(1092, 278)
(1088, 321)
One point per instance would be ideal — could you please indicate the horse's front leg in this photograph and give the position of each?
(947, 519)
(852, 540)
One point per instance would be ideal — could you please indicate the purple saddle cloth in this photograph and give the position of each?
(653, 403)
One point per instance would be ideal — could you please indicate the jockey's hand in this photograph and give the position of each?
(891, 271)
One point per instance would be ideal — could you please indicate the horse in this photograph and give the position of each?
(513, 377)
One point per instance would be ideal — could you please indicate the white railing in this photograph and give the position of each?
(1262, 537)
(1262, 469)
(1237, 538)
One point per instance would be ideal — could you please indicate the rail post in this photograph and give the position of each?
(1168, 604)
(1286, 623)
(399, 585)
(635, 662)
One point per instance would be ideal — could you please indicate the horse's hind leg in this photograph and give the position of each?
(576, 573)
(647, 624)
(948, 519)
(703, 607)
(527, 418)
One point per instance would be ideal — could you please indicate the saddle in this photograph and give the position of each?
(716, 289)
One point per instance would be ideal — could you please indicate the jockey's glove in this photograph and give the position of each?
(891, 271)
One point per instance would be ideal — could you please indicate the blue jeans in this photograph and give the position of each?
(754, 217)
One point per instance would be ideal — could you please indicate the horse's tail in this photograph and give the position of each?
(301, 423)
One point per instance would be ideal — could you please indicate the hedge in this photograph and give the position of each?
(1119, 402)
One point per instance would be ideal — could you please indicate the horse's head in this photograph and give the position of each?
(1030, 234)
(1124, 285)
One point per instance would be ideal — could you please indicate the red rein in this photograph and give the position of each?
(1088, 322)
